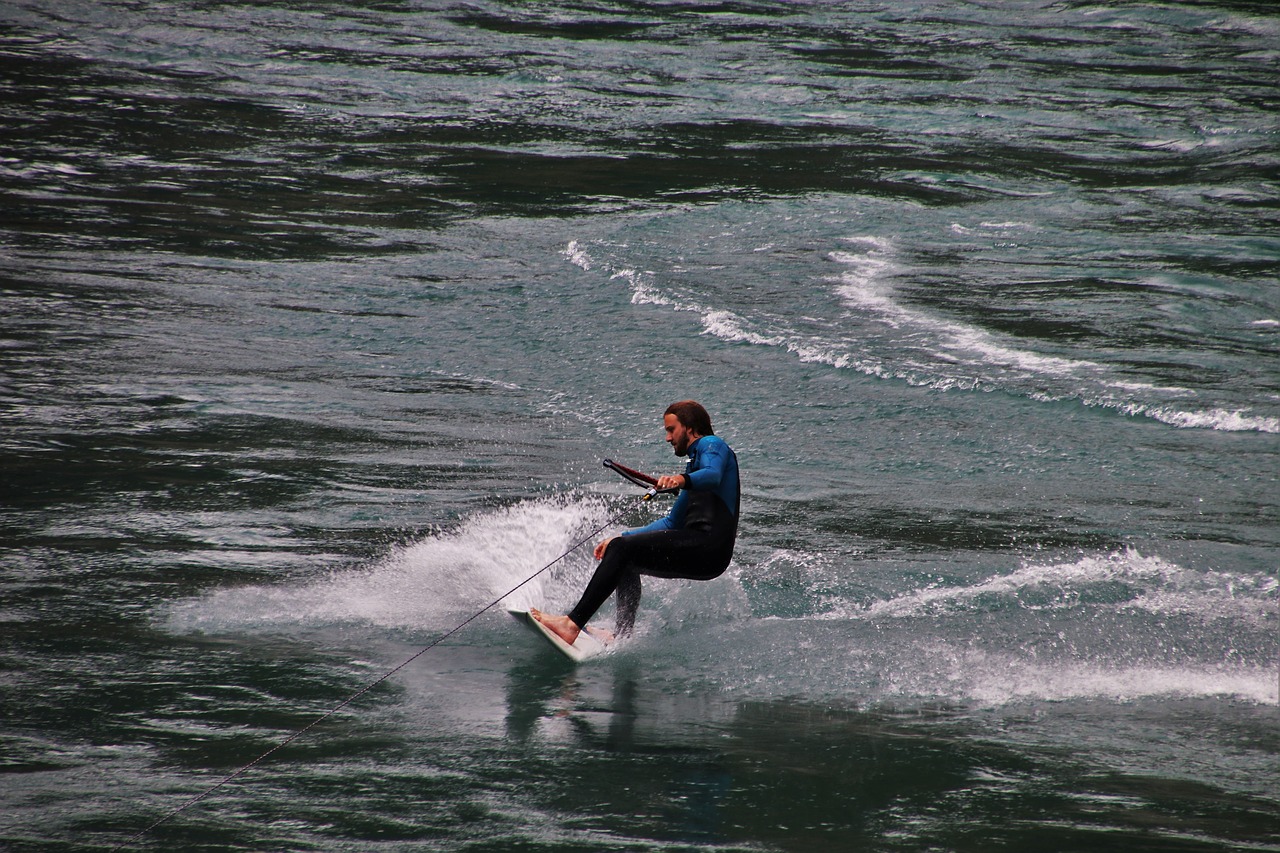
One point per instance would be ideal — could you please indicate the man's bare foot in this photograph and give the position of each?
(601, 634)
(562, 626)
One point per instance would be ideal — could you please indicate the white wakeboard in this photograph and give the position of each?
(583, 648)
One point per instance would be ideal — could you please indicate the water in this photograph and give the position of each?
(318, 319)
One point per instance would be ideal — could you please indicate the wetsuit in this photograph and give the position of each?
(695, 540)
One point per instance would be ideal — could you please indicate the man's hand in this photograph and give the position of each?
(601, 546)
(676, 482)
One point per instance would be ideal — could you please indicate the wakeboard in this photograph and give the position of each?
(583, 648)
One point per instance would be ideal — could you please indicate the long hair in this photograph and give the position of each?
(692, 416)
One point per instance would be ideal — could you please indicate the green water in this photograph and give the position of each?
(317, 320)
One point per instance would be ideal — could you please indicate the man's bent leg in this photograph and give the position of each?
(610, 572)
(665, 554)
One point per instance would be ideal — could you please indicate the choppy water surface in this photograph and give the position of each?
(317, 319)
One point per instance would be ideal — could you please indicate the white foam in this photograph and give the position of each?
(577, 256)
(1158, 585)
(730, 327)
(867, 287)
(1000, 679)
(1219, 419)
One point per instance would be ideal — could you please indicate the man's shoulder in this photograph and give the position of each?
(713, 444)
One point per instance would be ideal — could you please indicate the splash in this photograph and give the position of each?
(427, 584)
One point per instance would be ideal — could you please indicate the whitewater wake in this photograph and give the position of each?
(937, 353)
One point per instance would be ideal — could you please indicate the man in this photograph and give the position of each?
(695, 540)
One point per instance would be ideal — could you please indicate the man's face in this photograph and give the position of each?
(678, 435)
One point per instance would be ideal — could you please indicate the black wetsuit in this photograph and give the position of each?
(695, 540)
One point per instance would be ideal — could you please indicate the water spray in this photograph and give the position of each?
(636, 477)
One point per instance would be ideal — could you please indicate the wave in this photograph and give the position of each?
(1118, 626)
(967, 356)
(894, 341)
(931, 642)
(1220, 419)
(1120, 581)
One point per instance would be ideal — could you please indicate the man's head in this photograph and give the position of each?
(685, 423)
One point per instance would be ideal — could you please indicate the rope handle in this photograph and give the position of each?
(639, 478)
